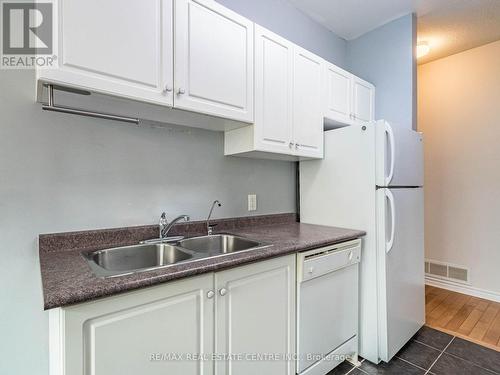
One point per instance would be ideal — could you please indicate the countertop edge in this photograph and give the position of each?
(54, 300)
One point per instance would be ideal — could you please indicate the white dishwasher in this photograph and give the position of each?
(327, 307)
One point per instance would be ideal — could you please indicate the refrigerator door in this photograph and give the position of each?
(400, 262)
(399, 156)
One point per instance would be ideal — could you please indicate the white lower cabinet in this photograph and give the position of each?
(129, 334)
(166, 329)
(256, 316)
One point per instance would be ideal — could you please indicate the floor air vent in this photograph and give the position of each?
(446, 271)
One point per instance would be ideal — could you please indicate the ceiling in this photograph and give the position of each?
(448, 26)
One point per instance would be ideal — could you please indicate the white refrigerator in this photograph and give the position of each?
(371, 178)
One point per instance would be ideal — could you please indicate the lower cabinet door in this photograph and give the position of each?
(255, 318)
(159, 330)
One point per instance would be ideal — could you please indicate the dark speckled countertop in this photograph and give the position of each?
(67, 278)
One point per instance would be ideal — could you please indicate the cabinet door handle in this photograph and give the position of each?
(223, 291)
(181, 91)
(168, 88)
(290, 145)
(210, 294)
(297, 146)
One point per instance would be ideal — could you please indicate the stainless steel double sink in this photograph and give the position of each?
(126, 260)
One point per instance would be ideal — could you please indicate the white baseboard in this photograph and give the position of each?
(462, 288)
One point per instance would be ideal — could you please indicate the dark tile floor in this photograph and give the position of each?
(432, 352)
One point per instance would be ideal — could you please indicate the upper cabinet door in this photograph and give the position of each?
(117, 47)
(337, 93)
(307, 104)
(273, 92)
(213, 60)
(363, 101)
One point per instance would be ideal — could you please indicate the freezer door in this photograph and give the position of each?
(399, 156)
(400, 261)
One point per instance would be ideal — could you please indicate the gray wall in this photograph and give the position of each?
(61, 173)
(281, 17)
(385, 57)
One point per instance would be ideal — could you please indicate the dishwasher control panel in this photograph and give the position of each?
(318, 262)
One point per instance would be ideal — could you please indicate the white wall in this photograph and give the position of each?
(459, 112)
(385, 57)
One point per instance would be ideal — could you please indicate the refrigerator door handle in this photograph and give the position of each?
(392, 146)
(389, 244)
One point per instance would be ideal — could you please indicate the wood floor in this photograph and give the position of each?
(471, 318)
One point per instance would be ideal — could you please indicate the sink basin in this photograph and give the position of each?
(219, 244)
(127, 260)
(130, 259)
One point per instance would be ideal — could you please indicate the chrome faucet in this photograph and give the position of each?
(210, 228)
(165, 226)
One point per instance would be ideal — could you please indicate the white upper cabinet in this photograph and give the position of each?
(117, 47)
(273, 92)
(271, 97)
(363, 101)
(347, 99)
(213, 60)
(337, 93)
(307, 96)
(288, 111)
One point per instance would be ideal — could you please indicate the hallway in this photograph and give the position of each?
(471, 318)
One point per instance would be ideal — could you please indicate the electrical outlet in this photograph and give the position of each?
(252, 202)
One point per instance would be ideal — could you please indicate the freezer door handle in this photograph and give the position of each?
(392, 146)
(390, 198)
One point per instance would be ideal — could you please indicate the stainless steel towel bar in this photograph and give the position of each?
(51, 106)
